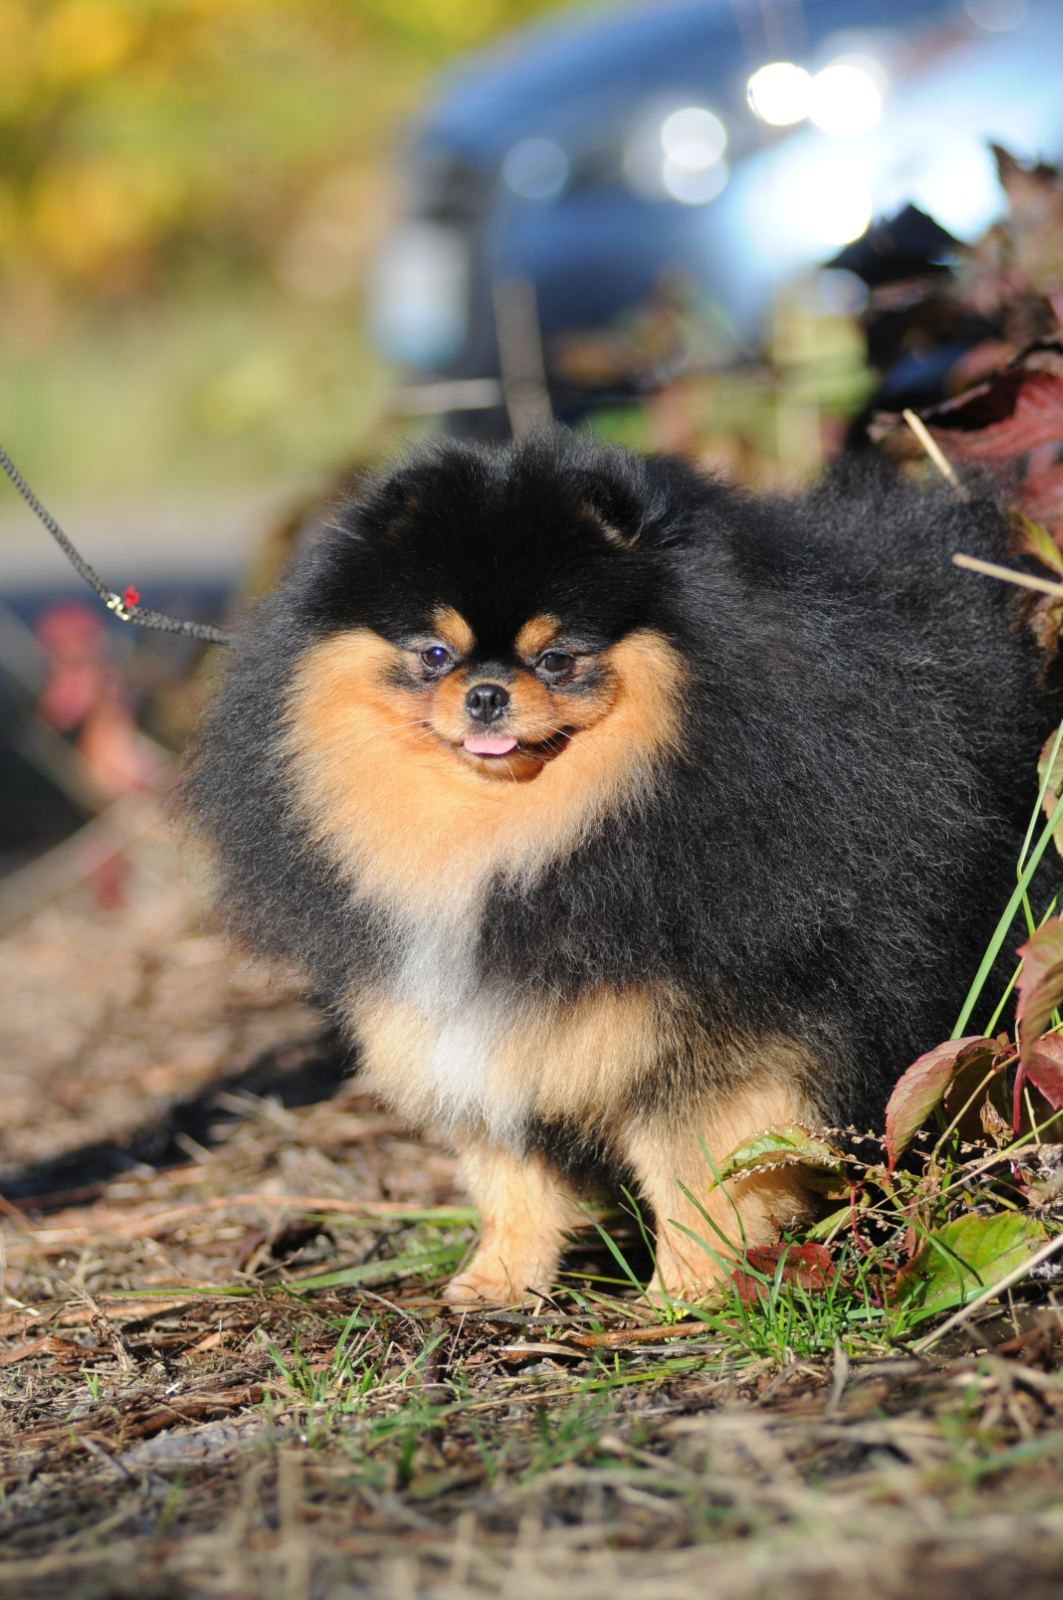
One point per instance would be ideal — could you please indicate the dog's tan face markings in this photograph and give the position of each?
(453, 632)
(374, 746)
(556, 686)
(537, 635)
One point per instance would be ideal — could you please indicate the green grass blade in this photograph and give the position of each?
(1010, 912)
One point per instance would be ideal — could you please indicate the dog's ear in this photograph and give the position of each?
(435, 481)
(614, 503)
(389, 503)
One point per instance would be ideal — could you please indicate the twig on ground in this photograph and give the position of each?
(614, 1338)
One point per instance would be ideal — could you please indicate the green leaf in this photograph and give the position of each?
(1037, 541)
(957, 1261)
(922, 1088)
(785, 1147)
(823, 1231)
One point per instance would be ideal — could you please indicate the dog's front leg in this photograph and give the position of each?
(703, 1227)
(526, 1212)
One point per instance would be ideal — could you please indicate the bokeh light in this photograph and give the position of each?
(845, 100)
(779, 93)
(535, 169)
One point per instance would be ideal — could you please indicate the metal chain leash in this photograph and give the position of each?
(126, 607)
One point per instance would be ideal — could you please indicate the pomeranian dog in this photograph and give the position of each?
(618, 816)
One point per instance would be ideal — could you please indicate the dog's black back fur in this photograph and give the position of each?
(828, 850)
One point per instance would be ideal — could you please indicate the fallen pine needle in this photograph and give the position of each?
(1022, 580)
(935, 452)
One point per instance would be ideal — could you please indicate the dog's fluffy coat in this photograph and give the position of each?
(772, 763)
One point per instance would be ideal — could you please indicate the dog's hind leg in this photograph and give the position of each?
(674, 1163)
(526, 1212)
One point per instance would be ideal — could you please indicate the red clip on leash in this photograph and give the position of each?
(125, 606)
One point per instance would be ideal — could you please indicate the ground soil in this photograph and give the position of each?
(226, 1369)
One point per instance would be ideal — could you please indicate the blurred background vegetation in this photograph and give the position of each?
(189, 193)
(193, 196)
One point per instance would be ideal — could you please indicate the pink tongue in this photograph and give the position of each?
(490, 747)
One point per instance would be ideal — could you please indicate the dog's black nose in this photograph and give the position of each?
(486, 702)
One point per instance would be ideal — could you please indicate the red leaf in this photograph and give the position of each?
(1040, 984)
(1045, 1069)
(921, 1089)
(806, 1266)
(968, 1095)
(1041, 496)
(1001, 419)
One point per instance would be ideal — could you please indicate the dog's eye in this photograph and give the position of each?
(556, 663)
(435, 658)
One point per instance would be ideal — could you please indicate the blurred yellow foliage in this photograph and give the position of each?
(142, 138)
(15, 80)
(455, 25)
(219, 169)
(84, 215)
(7, 215)
(82, 39)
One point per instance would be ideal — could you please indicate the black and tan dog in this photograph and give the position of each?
(618, 816)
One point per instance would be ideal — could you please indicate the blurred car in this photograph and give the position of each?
(699, 153)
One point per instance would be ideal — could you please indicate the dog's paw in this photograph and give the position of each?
(692, 1282)
(488, 1282)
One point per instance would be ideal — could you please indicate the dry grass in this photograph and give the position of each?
(225, 1369)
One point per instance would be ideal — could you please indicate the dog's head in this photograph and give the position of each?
(490, 597)
(484, 623)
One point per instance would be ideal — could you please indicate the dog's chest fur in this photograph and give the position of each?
(455, 1042)
(437, 1035)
